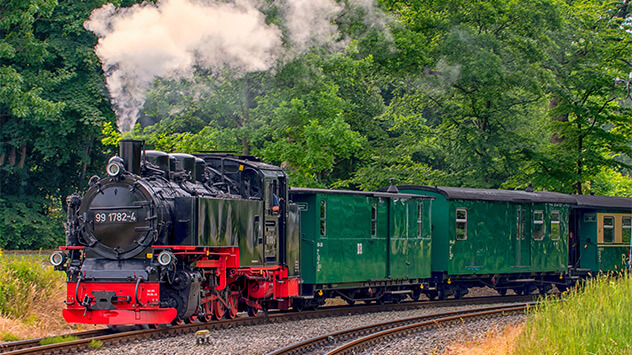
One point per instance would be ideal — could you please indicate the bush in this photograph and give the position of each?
(30, 223)
(595, 318)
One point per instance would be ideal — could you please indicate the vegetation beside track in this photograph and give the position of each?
(31, 297)
(594, 318)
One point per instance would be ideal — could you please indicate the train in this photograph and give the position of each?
(167, 238)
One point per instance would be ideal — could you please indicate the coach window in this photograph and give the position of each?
(538, 225)
(323, 218)
(374, 219)
(608, 229)
(461, 224)
(626, 226)
(555, 225)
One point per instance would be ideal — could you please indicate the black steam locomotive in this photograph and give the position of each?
(174, 237)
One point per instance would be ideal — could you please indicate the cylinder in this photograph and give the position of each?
(129, 151)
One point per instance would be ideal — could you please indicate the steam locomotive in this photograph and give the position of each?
(171, 238)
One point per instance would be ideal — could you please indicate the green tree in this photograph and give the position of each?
(464, 104)
(590, 128)
(52, 102)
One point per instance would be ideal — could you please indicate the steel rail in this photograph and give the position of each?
(29, 343)
(32, 346)
(354, 346)
(375, 331)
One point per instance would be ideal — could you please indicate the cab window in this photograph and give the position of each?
(461, 224)
(538, 225)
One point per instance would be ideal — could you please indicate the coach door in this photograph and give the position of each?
(398, 244)
(522, 245)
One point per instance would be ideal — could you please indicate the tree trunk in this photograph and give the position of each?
(11, 156)
(22, 156)
(246, 116)
(245, 146)
(84, 165)
(562, 118)
(580, 146)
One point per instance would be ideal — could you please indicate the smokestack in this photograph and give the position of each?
(129, 151)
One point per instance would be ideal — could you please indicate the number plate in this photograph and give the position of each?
(115, 217)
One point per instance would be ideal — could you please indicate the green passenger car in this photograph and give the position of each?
(601, 233)
(497, 238)
(363, 245)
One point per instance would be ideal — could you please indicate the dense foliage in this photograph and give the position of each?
(490, 94)
(52, 105)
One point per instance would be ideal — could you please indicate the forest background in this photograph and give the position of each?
(484, 94)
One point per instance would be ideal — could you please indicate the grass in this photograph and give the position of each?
(595, 318)
(32, 297)
(58, 339)
(96, 344)
(4, 336)
(25, 281)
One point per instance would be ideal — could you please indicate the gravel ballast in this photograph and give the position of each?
(262, 339)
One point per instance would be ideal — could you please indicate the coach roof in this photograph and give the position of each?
(517, 196)
(614, 202)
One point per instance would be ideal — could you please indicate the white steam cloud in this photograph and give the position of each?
(171, 38)
(143, 42)
(310, 22)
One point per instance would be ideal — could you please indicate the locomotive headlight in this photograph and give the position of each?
(166, 258)
(57, 258)
(115, 166)
(113, 169)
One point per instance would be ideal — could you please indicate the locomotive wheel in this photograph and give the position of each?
(191, 319)
(208, 312)
(233, 302)
(219, 310)
(177, 321)
(253, 311)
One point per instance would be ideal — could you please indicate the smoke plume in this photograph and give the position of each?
(171, 38)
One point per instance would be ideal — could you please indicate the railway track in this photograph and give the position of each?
(106, 336)
(354, 340)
